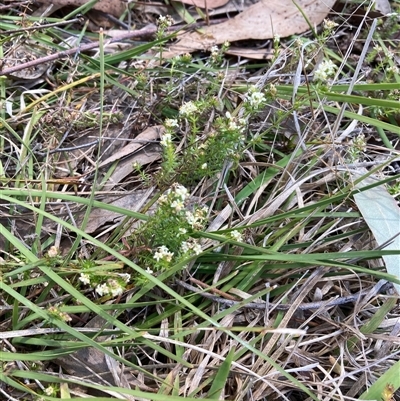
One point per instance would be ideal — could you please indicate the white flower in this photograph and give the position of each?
(203, 211)
(190, 218)
(166, 139)
(182, 231)
(330, 25)
(272, 90)
(177, 205)
(393, 69)
(232, 125)
(116, 291)
(235, 124)
(85, 278)
(191, 245)
(181, 191)
(255, 99)
(171, 123)
(236, 235)
(162, 199)
(203, 166)
(185, 246)
(158, 256)
(197, 219)
(165, 21)
(197, 248)
(214, 49)
(187, 109)
(49, 390)
(325, 70)
(102, 289)
(114, 288)
(163, 253)
(168, 256)
(125, 276)
(53, 252)
(214, 52)
(148, 270)
(163, 249)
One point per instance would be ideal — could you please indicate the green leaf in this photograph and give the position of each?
(220, 378)
(390, 379)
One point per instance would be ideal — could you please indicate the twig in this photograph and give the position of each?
(147, 31)
(383, 285)
(44, 26)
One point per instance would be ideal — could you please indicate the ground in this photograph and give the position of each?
(202, 226)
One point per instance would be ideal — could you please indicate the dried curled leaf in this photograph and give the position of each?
(113, 7)
(262, 20)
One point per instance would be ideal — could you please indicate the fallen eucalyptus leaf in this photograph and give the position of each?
(262, 20)
(382, 215)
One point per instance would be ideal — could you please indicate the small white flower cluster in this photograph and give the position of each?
(272, 90)
(389, 54)
(171, 123)
(175, 197)
(166, 139)
(187, 109)
(357, 147)
(214, 53)
(255, 98)
(173, 204)
(163, 253)
(329, 25)
(50, 391)
(197, 219)
(165, 21)
(191, 246)
(53, 252)
(236, 235)
(393, 69)
(325, 70)
(85, 278)
(234, 123)
(125, 276)
(214, 50)
(111, 287)
(55, 312)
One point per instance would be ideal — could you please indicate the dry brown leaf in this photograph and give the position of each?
(114, 7)
(383, 6)
(260, 21)
(209, 4)
(149, 135)
(232, 6)
(148, 155)
(248, 52)
(100, 217)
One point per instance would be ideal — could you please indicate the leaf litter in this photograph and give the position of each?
(302, 351)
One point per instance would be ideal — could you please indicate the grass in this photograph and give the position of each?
(188, 228)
